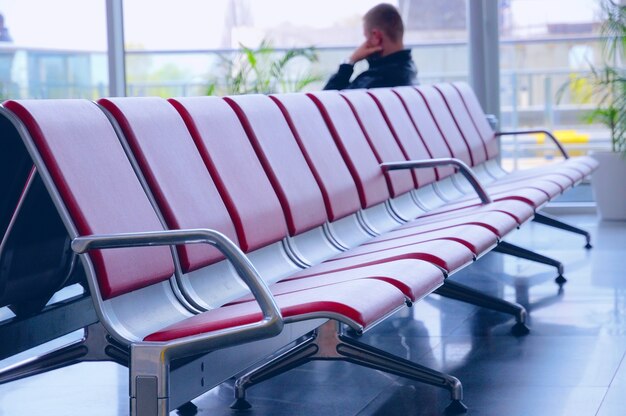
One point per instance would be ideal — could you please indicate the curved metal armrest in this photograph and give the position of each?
(272, 322)
(546, 132)
(431, 163)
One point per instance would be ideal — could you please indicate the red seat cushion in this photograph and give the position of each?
(178, 178)
(497, 222)
(531, 196)
(414, 278)
(283, 161)
(446, 254)
(428, 130)
(482, 148)
(457, 144)
(478, 117)
(362, 302)
(548, 187)
(405, 131)
(381, 139)
(354, 147)
(518, 210)
(475, 237)
(78, 144)
(226, 151)
(331, 172)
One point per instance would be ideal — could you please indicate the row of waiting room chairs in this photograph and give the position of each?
(246, 235)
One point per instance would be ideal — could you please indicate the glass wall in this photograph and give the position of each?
(53, 49)
(545, 47)
(193, 47)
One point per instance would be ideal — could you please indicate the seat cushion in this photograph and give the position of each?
(476, 238)
(531, 196)
(446, 254)
(547, 187)
(497, 222)
(518, 210)
(359, 303)
(414, 278)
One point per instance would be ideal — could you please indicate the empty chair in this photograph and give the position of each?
(227, 142)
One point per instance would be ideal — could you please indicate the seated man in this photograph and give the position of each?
(390, 65)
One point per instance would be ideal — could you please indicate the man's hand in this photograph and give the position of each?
(363, 52)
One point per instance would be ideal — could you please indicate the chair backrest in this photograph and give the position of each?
(77, 143)
(354, 147)
(426, 127)
(404, 130)
(318, 147)
(381, 139)
(176, 175)
(284, 163)
(234, 166)
(478, 117)
(481, 148)
(459, 148)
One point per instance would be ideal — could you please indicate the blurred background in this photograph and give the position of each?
(195, 47)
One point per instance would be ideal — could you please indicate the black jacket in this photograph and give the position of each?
(392, 70)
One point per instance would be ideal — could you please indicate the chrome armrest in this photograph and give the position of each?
(546, 132)
(431, 163)
(272, 322)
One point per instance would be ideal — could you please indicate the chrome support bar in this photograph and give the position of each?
(534, 131)
(272, 322)
(431, 163)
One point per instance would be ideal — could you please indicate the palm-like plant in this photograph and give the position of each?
(608, 82)
(611, 78)
(263, 70)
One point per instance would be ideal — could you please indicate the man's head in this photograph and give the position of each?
(382, 26)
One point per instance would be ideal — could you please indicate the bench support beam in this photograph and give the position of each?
(523, 253)
(22, 333)
(95, 345)
(328, 343)
(457, 291)
(557, 223)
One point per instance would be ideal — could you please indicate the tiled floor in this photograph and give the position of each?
(572, 363)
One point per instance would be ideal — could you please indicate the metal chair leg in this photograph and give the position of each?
(94, 346)
(327, 343)
(358, 353)
(292, 358)
(517, 251)
(457, 291)
(555, 222)
(149, 381)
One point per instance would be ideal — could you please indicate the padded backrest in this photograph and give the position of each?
(404, 130)
(173, 168)
(353, 145)
(478, 117)
(236, 170)
(333, 177)
(283, 161)
(480, 152)
(445, 123)
(98, 185)
(381, 139)
(426, 126)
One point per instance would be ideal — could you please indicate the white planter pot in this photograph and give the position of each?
(609, 186)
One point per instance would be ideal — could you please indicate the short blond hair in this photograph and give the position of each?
(386, 18)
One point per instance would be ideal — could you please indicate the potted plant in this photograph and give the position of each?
(609, 81)
(608, 84)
